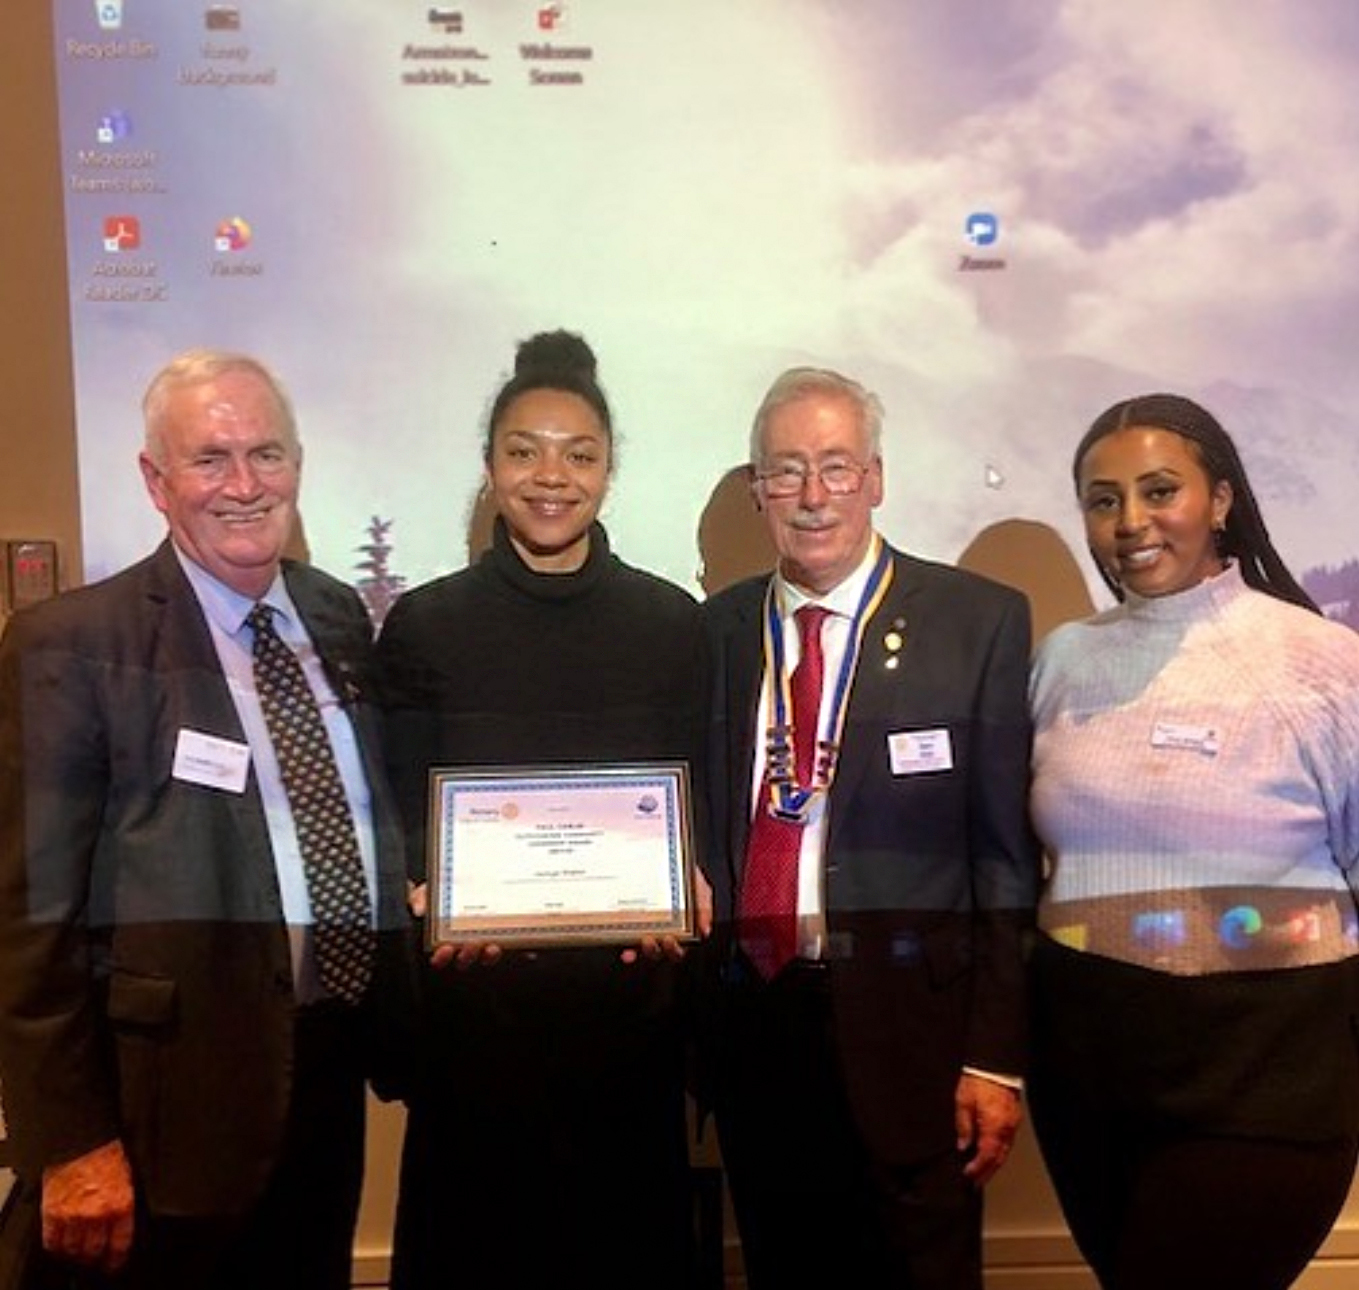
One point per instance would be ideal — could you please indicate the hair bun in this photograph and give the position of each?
(555, 353)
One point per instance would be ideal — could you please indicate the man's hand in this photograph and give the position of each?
(987, 1116)
(87, 1208)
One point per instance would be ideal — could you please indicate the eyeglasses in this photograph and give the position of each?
(839, 478)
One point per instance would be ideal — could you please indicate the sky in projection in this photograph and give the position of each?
(725, 190)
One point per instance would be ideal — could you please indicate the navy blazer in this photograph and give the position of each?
(145, 974)
(929, 877)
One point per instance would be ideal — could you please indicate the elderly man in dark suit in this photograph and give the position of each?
(874, 873)
(203, 939)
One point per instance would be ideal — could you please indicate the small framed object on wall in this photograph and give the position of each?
(30, 572)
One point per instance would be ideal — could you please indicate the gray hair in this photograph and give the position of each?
(196, 367)
(809, 382)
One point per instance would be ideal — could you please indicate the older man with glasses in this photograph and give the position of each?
(874, 873)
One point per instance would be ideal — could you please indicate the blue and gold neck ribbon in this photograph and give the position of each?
(789, 800)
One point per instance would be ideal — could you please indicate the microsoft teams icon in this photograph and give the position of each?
(113, 127)
(982, 228)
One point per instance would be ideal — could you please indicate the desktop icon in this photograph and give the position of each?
(222, 17)
(551, 17)
(1303, 926)
(1075, 936)
(122, 233)
(232, 235)
(449, 21)
(1239, 927)
(1160, 929)
(109, 13)
(982, 228)
(113, 127)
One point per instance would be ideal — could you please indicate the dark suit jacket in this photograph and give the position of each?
(145, 975)
(929, 878)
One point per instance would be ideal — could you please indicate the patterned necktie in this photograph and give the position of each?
(767, 913)
(342, 927)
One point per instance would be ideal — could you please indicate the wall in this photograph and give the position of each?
(1027, 1246)
(38, 496)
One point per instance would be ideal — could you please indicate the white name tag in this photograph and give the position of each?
(1171, 734)
(915, 752)
(210, 761)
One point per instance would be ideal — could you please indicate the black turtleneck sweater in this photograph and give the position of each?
(567, 1060)
(497, 665)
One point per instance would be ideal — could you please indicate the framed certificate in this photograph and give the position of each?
(560, 855)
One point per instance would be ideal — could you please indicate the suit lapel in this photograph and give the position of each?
(876, 688)
(342, 655)
(328, 634)
(181, 650)
(339, 632)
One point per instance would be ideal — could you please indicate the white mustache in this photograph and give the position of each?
(810, 521)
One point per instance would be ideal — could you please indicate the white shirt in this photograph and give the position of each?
(842, 602)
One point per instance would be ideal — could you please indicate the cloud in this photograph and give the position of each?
(1178, 191)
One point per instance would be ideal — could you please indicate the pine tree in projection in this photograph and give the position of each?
(377, 585)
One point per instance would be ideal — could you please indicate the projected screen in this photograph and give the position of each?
(1001, 217)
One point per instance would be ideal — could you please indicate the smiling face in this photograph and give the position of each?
(224, 471)
(820, 537)
(549, 474)
(1150, 510)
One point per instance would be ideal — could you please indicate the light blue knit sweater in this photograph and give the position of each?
(1196, 781)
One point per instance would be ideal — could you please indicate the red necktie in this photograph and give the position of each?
(767, 912)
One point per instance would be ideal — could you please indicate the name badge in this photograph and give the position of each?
(1171, 734)
(916, 752)
(211, 762)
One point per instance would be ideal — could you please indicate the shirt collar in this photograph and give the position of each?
(842, 599)
(226, 608)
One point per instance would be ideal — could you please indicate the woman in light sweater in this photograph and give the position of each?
(1195, 1084)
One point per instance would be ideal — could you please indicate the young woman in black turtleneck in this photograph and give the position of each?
(546, 1139)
